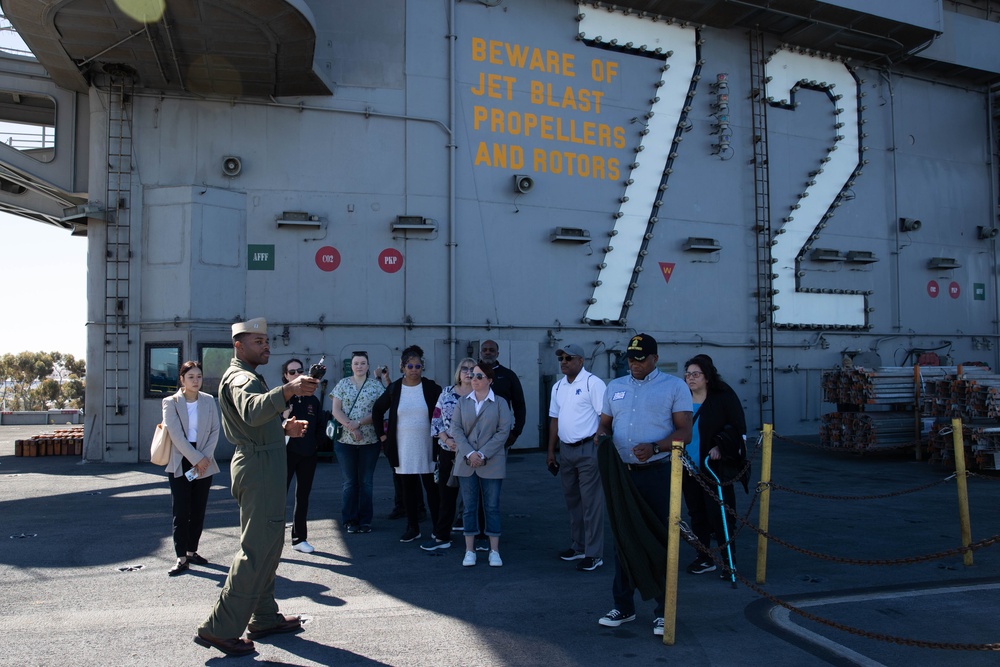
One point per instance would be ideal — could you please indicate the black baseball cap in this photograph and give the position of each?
(641, 346)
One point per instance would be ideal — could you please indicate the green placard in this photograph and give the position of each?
(979, 291)
(260, 258)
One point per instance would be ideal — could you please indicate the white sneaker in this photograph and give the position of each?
(658, 627)
(470, 559)
(495, 559)
(303, 547)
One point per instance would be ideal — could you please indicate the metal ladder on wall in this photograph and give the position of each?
(118, 255)
(762, 230)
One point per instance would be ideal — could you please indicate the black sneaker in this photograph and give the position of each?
(614, 618)
(701, 566)
(571, 554)
(351, 527)
(482, 544)
(410, 535)
(589, 564)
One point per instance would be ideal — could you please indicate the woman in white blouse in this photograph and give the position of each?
(406, 436)
(192, 419)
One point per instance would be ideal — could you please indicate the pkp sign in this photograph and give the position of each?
(390, 260)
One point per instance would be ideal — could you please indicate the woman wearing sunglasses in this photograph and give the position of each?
(480, 427)
(406, 436)
(302, 453)
(357, 446)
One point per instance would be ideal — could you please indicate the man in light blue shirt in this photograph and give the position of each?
(644, 412)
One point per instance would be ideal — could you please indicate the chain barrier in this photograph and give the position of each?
(779, 487)
(743, 521)
(690, 538)
(907, 560)
(696, 473)
(880, 449)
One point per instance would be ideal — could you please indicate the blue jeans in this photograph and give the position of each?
(490, 488)
(357, 465)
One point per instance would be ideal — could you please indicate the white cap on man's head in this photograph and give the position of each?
(257, 325)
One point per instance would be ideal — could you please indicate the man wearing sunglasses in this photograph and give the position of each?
(644, 412)
(574, 413)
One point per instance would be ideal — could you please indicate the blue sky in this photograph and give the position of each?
(43, 291)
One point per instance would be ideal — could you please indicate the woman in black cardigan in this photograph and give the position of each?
(406, 436)
(719, 433)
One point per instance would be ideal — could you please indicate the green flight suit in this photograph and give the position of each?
(251, 420)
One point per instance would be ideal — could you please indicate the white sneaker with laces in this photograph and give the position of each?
(470, 559)
(303, 547)
(495, 559)
(658, 627)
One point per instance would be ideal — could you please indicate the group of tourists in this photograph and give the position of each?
(608, 443)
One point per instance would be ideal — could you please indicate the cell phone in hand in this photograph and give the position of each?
(318, 370)
(554, 468)
(191, 474)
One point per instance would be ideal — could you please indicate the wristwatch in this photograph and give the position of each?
(656, 448)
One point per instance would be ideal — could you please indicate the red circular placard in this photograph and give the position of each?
(954, 290)
(390, 260)
(933, 289)
(327, 258)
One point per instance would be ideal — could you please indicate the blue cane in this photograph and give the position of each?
(725, 527)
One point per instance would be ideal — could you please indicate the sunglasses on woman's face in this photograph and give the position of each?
(466, 369)
(414, 367)
(478, 376)
(294, 371)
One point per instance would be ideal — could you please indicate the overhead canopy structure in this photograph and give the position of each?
(834, 26)
(232, 48)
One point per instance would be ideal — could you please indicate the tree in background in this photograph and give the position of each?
(39, 380)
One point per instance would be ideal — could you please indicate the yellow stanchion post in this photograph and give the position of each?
(765, 502)
(673, 544)
(963, 487)
(917, 424)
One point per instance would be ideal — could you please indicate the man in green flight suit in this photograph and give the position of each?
(251, 420)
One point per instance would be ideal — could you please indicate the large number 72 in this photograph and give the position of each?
(788, 71)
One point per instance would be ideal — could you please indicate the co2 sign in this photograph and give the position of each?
(327, 258)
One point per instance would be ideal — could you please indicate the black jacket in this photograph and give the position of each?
(389, 402)
(507, 385)
(722, 424)
(640, 538)
(306, 408)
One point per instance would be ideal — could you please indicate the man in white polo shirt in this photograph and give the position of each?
(574, 413)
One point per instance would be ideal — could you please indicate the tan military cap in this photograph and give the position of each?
(256, 325)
